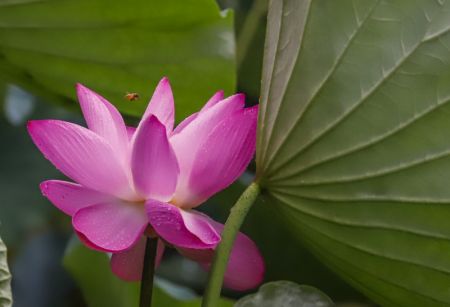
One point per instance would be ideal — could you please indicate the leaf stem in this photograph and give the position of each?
(147, 272)
(235, 219)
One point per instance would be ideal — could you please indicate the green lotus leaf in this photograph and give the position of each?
(353, 144)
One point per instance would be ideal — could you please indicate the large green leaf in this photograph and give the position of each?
(5, 278)
(115, 47)
(353, 142)
(101, 288)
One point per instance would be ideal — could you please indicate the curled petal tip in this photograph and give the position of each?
(252, 110)
(164, 83)
(152, 118)
(240, 96)
(219, 94)
(162, 105)
(43, 186)
(81, 87)
(31, 123)
(84, 90)
(165, 80)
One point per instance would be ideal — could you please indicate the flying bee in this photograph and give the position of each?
(131, 96)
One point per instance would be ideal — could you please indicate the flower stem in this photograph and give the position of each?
(147, 272)
(232, 225)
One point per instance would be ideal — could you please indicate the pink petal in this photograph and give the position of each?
(104, 119)
(82, 155)
(162, 105)
(88, 243)
(128, 265)
(154, 164)
(130, 132)
(211, 102)
(245, 268)
(184, 123)
(113, 226)
(70, 197)
(187, 142)
(189, 229)
(221, 159)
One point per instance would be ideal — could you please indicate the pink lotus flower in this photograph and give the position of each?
(131, 182)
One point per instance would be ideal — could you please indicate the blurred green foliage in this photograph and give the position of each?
(250, 28)
(102, 289)
(23, 209)
(115, 47)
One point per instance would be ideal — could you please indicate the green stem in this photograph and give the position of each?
(147, 272)
(232, 225)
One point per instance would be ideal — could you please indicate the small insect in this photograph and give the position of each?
(131, 96)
